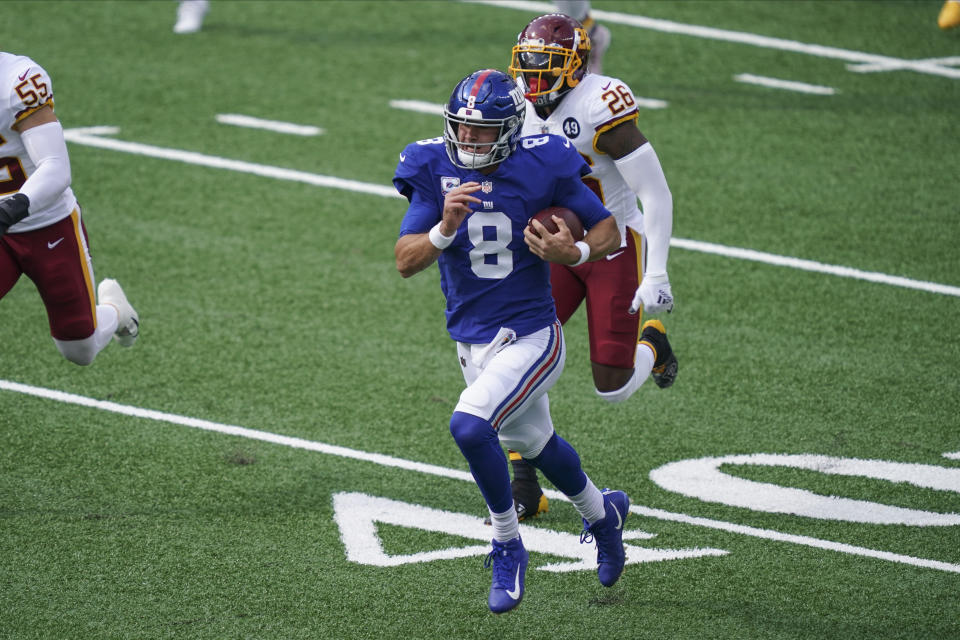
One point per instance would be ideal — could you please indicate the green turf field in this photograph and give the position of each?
(248, 469)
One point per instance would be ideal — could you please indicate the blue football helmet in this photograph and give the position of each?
(485, 98)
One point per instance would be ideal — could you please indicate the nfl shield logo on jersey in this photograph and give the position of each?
(448, 184)
(486, 186)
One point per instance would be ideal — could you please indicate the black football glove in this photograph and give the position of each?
(13, 210)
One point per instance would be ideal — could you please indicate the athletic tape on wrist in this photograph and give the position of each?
(584, 253)
(439, 240)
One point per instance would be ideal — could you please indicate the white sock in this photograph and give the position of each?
(642, 364)
(589, 503)
(107, 323)
(505, 525)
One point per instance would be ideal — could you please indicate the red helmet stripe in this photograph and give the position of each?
(479, 83)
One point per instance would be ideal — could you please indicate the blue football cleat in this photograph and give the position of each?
(608, 533)
(509, 560)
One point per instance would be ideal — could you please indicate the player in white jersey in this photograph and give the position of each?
(598, 115)
(41, 231)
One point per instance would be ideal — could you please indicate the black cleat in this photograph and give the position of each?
(664, 370)
(528, 498)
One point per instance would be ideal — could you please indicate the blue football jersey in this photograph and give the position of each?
(488, 275)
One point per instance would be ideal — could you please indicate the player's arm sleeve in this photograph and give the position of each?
(414, 250)
(574, 194)
(32, 104)
(47, 149)
(422, 214)
(412, 180)
(643, 174)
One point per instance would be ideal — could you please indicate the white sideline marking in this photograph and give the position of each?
(390, 461)
(953, 456)
(90, 136)
(789, 85)
(739, 37)
(239, 120)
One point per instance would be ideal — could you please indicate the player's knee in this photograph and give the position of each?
(81, 352)
(469, 431)
(473, 399)
(82, 358)
(613, 382)
(527, 442)
(619, 395)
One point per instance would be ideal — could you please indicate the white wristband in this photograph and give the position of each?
(439, 240)
(584, 253)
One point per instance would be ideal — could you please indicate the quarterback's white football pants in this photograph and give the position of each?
(507, 385)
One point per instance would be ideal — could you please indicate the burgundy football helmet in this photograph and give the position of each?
(550, 57)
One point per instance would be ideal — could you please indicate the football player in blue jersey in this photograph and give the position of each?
(471, 193)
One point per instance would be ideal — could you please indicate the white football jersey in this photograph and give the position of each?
(24, 88)
(593, 107)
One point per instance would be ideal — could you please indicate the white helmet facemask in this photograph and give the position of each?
(495, 150)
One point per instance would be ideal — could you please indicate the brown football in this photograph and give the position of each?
(545, 218)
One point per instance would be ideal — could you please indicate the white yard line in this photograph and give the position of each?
(738, 37)
(953, 456)
(788, 85)
(93, 136)
(950, 61)
(429, 469)
(419, 106)
(231, 430)
(810, 265)
(270, 125)
(651, 103)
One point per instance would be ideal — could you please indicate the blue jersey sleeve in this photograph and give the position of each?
(413, 179)
(562, 160)
(578, 197)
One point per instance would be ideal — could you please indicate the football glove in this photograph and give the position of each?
(654, 294)
(13, 210)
